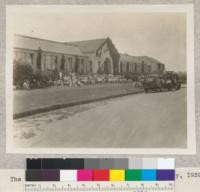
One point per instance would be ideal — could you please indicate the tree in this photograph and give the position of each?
(21, 73)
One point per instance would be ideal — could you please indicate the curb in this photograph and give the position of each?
(63, 105)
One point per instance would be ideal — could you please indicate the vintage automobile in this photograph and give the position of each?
(169, 81)
(152, 83)
(172, 81)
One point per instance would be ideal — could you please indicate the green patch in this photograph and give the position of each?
(133, 175)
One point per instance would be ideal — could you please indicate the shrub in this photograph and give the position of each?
(21, 73)
(40, 76)
(39, 80)
(133, 77)
(55, 75)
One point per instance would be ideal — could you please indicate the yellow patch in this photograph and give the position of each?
(117, 175)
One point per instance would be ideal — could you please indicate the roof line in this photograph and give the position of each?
(87, 40)
(51, 52)
(26, 36)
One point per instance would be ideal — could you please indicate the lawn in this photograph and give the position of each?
(28, 102)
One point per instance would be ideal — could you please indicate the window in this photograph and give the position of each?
(127, 67)
(70, 60)
(82, 66)
(54, 62)
(70, 64)
(48, 64)
(62, 65)
(91, 70)
(135, 67)
(70, 67)
(120, 66)
(130, 67)
(98, 54)
(99, 67)
(149, 68)
(142, 67)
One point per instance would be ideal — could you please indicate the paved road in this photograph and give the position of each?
(141, 120)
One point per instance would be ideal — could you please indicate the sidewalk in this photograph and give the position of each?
(29, 102)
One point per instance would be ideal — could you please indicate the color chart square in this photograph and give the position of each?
(117, 175)
(164, 163)
(133, 175)
(84, 175)
(33, 175)
(165, 175)
(149, 175)
(135, 163)
(50, 175)
(68, 175)
(149, 163)
(101, 175)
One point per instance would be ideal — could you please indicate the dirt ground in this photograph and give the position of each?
(141, 120)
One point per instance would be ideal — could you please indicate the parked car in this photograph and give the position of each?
(169, 81)
(172, 81)
(152, 84)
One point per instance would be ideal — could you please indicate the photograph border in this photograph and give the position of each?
(191, 136)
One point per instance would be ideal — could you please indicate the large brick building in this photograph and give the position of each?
(50, 55)
(98, 56)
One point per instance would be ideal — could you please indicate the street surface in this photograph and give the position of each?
(138, 120)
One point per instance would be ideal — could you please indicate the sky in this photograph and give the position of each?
(158, 35)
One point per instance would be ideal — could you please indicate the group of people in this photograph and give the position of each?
(73, 80)
(70, 80)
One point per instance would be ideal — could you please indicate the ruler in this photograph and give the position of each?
(164, 186)
(100, 175)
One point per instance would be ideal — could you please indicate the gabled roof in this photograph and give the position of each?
(31, 43)
(130, 58)
(139, 59)
(88, 46)
(150, 60)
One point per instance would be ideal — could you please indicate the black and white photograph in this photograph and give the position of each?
(98, 79)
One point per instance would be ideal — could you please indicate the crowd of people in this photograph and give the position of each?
(74, 80)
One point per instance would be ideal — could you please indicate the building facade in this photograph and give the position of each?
(156, 67)
(140, 65)
(45, 55)
(103, 56)
(133, 65)
(98, 56)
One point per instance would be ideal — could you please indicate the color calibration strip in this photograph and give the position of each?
(116, 163)
(146, 169)
(100, 175)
